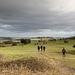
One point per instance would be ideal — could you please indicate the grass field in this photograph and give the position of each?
(52, 55)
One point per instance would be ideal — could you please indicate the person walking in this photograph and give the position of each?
(41, 48)
(38, 48)
(63, 51)
(44, 48)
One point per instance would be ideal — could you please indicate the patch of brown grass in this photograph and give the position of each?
(25, 66)
(1, 55)
(33, 66)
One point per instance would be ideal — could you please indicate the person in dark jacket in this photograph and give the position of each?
(63, 51)
(41, 48)
(38, 48)
(44, 48)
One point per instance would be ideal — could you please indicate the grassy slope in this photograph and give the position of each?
(53, 50)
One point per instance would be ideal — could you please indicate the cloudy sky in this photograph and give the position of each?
(35, 18)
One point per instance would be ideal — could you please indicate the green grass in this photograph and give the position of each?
(26, 60)
(53, 50)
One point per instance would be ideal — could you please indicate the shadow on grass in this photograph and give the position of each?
(71, 52)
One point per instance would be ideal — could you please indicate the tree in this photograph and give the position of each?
(25, 41)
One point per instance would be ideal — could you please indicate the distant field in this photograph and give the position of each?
(34, 40)
(53, 51)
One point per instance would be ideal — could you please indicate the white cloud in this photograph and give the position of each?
(5, 26)
(62, 6)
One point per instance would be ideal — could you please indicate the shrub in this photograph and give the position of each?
(65, 41)
(73, 45)
(25, 41)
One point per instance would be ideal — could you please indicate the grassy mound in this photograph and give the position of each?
(29, 64)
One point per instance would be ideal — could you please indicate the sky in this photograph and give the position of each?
(37, 18)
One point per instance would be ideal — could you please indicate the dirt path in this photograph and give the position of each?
(59, 66)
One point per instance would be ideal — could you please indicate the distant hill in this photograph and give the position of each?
(9, 39)
(41, 38)
(73, 37)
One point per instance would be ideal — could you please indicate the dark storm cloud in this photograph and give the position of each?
(35, 15)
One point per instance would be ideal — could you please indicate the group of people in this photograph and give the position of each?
(42, 48)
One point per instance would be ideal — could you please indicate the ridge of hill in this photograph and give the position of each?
(73, 37)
